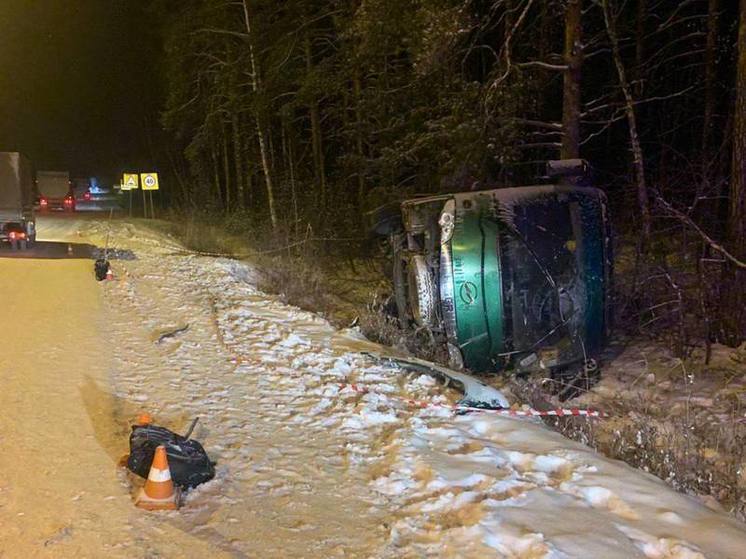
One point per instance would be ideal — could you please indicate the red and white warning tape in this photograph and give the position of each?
(530, 412)
(421, 404)
(237, 359)
(354, 387)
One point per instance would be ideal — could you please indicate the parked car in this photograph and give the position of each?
(510, 278)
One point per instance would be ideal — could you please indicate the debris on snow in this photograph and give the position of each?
(169, 332)
(476, 393)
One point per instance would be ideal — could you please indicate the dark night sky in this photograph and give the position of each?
(77, 81)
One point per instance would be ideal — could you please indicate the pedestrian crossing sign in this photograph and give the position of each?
(130, 182)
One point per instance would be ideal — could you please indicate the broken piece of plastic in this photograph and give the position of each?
(476, 393)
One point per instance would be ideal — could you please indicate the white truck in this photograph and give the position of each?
(55, 191)
(17, 220)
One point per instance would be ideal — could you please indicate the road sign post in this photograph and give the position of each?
(130, 182)
(128, 190)
(149, 182)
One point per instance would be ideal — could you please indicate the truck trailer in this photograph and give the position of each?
(55, 191)
(17, 220)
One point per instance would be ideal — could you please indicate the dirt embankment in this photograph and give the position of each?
(680, 419)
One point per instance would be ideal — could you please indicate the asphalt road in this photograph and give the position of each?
(49, 250)
(62, 433)
(51, 244)
(53, 348)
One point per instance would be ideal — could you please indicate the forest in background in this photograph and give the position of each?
(296, 116)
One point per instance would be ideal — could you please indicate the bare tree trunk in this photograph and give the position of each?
(185, 193)
(643, 199)
(571, 94)
(256, 86)
(287, 149)
(238, 163)
(216, 173)
(226, 171)
(546, 17)
(316, 138)
(642, 14)
(356, 90)
(732, 292)
(172, 158)
(250, 189)
(713, 9)
(737, 208)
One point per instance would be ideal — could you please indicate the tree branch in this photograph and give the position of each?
(506, 44)
(545, 65)
(689, 222)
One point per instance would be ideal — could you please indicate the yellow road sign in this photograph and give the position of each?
(149, 181)
(129, 182)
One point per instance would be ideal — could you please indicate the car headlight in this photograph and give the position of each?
(447, 221)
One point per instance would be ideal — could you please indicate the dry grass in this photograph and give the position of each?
(298, 283)
(687, 427)
(378, 324)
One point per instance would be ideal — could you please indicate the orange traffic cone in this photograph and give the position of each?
(159, 492)
(144, 419)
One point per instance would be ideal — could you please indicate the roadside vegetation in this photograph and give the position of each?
(286, 122)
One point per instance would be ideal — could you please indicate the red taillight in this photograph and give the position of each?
(16, 235)
(68, 201)
(43, 202)
(87, 196)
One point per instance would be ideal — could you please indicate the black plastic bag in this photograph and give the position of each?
(187, 460)
(100, 267)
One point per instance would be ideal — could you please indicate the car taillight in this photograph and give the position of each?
(17, 236)
(43, 202)
(68, 201)
(87, 196)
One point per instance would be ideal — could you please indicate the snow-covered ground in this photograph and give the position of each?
(310, 465)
